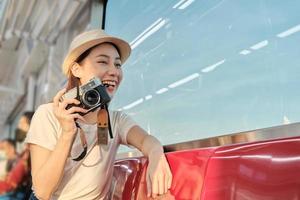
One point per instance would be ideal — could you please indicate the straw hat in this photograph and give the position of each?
(88, 39)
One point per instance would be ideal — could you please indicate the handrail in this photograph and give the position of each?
(275, 132)
(269, 133)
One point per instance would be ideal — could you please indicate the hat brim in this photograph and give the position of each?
(123, 47)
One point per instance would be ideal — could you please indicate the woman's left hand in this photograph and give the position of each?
(158, 175)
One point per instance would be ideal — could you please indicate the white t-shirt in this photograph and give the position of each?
(91, 177)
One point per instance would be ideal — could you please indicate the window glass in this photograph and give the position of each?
(202, 68)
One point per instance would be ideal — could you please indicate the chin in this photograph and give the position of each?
(111, 93)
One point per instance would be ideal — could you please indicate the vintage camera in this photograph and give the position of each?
(92, 95)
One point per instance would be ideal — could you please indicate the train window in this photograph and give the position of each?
(208, 67)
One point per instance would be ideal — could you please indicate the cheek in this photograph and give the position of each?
(98, 70)
(92, 71)
(120, 78)
(120, 75)
(87, 71)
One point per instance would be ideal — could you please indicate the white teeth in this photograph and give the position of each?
(108, 83)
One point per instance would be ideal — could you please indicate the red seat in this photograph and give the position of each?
(268, 170)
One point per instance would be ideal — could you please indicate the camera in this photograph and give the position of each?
(91, 95)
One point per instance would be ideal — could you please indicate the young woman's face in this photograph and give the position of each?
(103, 62)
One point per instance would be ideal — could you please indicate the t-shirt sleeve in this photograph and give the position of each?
(43, 129)
(125, 123)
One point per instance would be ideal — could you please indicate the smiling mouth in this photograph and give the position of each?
(109, 83)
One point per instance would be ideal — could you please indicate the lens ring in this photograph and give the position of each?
(91, 98)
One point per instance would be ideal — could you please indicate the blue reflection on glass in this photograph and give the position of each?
(208, 67)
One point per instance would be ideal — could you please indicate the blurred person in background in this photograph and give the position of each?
(3, 162)
(9, 153)
(22, 129)
(7, 182)
(16, 182)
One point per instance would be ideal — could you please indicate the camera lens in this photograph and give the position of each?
(91, 98)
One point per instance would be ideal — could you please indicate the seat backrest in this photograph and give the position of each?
(260, 170)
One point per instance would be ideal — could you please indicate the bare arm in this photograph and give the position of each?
(48, 166)
(144, 142)
(159, 177)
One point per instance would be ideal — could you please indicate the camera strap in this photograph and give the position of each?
(102, 129)
(104, 126)
(109, 124)
(83, 143)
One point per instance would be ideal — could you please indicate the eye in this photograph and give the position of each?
(102, 62)
(118, 65)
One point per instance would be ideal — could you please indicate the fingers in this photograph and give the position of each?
(154, 187)
(60, 106)
(166, 178)
(58, 96)
(66, 102)
(161, 185)
(160, 179)
(63, 104)
(170, 178)
(76, 110)
(77, 116)
(149, 185)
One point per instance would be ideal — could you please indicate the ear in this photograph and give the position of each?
(76, 70)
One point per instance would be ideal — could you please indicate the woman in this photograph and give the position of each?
(55, 140)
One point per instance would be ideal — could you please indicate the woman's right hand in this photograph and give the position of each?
(66, 117)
